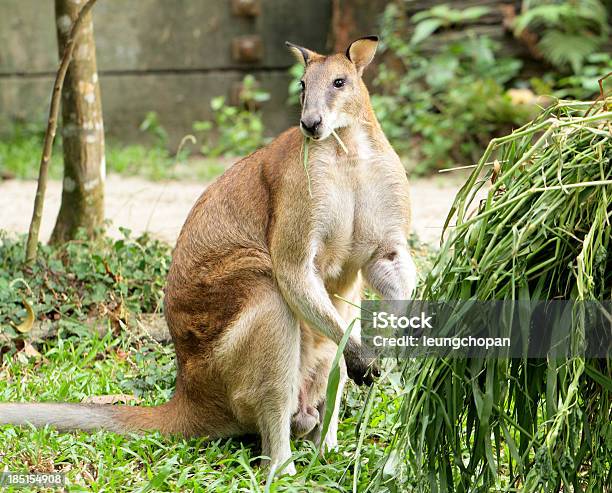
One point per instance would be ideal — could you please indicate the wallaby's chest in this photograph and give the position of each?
(357, 206)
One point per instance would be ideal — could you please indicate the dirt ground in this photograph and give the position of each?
(161, 207)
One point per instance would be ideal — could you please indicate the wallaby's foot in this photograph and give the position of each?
(330, 444)
(276, 470)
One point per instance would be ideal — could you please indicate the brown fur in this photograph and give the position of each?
(251, 296)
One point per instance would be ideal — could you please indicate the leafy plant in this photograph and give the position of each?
(234, 130)
(82, 278)
(569, 31)
(584, 84)
(152, 162)
(153, 126)
(441, 109)
(439, 16)
(543, 232)
(20, 153)
(20, 150)
(295, 72)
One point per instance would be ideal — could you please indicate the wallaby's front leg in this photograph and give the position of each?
(293, 252)
(304, 291)
(391, 271)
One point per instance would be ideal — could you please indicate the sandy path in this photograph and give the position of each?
(161, 207)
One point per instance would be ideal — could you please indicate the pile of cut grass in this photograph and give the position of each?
(543, 232)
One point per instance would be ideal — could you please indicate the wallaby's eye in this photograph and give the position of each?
(302, 85)
(339, 83)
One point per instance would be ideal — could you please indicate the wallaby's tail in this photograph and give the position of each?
(169, 418)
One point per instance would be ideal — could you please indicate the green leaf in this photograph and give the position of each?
(217, 103)
(473, 13)
(424, 29)
(442, 70)
(540, 14)
(600, 378)
(563, 49)
(202, 126)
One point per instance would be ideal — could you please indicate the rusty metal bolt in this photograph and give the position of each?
(247, 48)
(246, 8)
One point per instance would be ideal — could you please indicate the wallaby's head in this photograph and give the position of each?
(333, 94)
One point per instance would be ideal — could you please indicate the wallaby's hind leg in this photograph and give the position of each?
(275, 428)
(261, 353)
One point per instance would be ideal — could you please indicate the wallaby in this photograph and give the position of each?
(253, 297)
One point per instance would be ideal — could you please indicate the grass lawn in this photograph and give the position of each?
(21, 149)
(75, 365)
(70, 368)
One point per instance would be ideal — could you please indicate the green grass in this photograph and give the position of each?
(20, 152)
(74, 365)
(21, 148)
(71, 368)
(154, 163)
(542, 233)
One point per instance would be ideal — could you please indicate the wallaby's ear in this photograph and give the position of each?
(302, 55)
(361, 52)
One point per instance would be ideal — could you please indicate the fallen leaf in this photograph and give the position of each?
(22, 358)
(110, 399)
(26, 326)
(30, 351)
(496, 171)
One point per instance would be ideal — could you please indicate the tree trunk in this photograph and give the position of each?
(82, 131)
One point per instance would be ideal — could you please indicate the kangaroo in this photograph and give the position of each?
(253, 292)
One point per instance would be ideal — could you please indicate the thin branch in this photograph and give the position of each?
(602, 95)
(32, 243)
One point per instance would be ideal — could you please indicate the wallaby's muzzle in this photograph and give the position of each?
(311, 126)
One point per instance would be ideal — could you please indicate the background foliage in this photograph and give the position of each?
(441, 104)
(514, 425)
(82, 279)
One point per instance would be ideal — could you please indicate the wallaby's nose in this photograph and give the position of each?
(311, 125)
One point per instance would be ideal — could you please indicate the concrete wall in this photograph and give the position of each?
(171, 57)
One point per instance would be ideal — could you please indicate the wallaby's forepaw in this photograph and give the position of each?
(364, 374)
(361, 365)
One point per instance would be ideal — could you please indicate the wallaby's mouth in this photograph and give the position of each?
(320, 132)
(311, 128)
